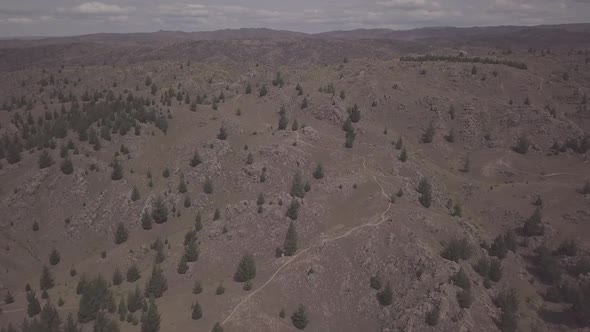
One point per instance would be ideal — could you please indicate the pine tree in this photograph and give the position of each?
(464, 298)
(166, 172)
(117, 277)
(135, 194)
(46, 281)
(159, 211)
(293, 209)
(156, 284)
(428, 134)
(45, 159)
(533, 226)
(290, 244)
(217, 328)
(347, 126)
(182, 265)
(132, 273)
(263, 90)
(495, 272)
(460, 279)
(283, 120)
(182, 185)
(246, 269)
(121, 233)
(198, 222)
(295, 125)
(33, 306)
(49, 318)
(216, 214)
(71, 325)
(350, 137)
(250, 159)
(399, 144)
(134, 300)
(191, 251)
(260, 200)
(208, 186)
(117, 173)
(67, 167)
(197, 287)
(432, 316)
(297, 189)
(522, 144)
(8, 299)
(385, 297)
(151, 320)
(319, 172)
(195, 160)
(222, 135)
(187, 201)
(354, 114)
(146, 221)
(54, 257)
(425, 189)
(95, 296)
(197, 312)
(220, 289)
(299, 318)
(122, 309)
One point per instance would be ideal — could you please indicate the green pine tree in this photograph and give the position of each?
(299, 318)
(197, 312)
(159, 211)
(290, 244)
(385, 297)
(156, 284)
(45, 159)
(246, 269)
(121, 233)
(151, 319)
(54, 257)
(135, 194)
(46, 281)
(117, 173)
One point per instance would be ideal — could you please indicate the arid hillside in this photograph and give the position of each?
(260, 180)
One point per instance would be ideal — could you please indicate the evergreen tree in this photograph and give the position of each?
(428, 134)
(246, 269)
(263, 90)
(121, 233)
(135, 194)
(292, 210)
(187, 201)
(95, 296)
(248, 89)
(132, 273)
(182, 185)
(45, 159)
(182, 265)
(295, 125)
(375, 282)
(71, 325)
(216, 214)
(425, 189)
(220, 289)
(208, 186)
(299, 318)
(117, 173)
(81, 286)
(198, 222)
(197, 312)
(385, 297)
(522, 144)
(319, 172)
(166, 172)
(460, 279)
(354, 114)
(297, 189)
(159, 211)
(350, 137)
(67, 167)
(464, 298)
(403, 155)
(156, 285)
(8, 299)
(222, 135)
(432, 316)
(283, 120)
(191, 251)
(105, 324)
(54, 257)
(146, 221)
(250, 159)
(195, 160)
(33, 306)
(495, 273)
(347, 126)
(46, 281)
(533, 226)
(49, 318)
(13, 153)
(260, 200)
(117, 277)
(197, 287)
(290, 244)
(134, 300)
(122, 309)
(399, 144)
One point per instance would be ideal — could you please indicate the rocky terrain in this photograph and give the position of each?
(260, 180)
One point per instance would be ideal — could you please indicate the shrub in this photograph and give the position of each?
(385, 297)
(432, 316)
(299, 318)
(457, 249)
(375, 282)
(522, 144)
(533, 226)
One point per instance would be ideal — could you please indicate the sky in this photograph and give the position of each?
(75, 17)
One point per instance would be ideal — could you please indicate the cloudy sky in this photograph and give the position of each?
(73, 17)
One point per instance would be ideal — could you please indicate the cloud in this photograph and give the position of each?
(96, 7)
(18, 20)
(409, 5)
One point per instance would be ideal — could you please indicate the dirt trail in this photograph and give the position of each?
(320, 242)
